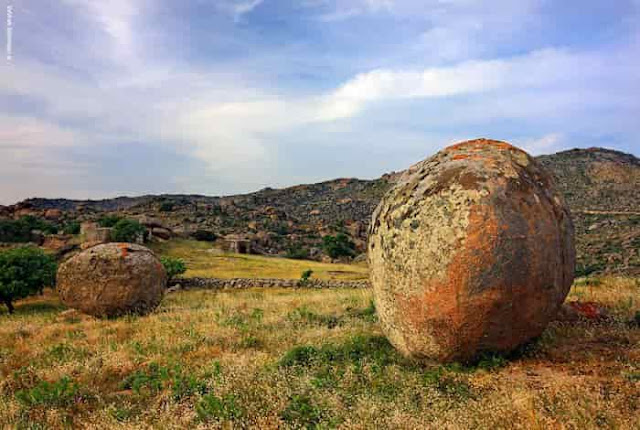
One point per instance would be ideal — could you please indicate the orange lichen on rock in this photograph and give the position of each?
(472, 251)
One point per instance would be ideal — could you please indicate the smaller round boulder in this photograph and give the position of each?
(112, 279)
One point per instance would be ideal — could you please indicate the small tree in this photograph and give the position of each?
(109, 221)
(35, 223)
(128, 230)
(20, 230)
(166, 207)
(14, 231)
(72, 227)
(297, 252)
(338, 246)
(23, 272)
(304, 277)
(173, 266)
(204, 235)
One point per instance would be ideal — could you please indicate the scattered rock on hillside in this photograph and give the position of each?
(472, 251)
(53, 214)
(161, 233)
(112, 279)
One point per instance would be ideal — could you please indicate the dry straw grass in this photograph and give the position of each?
(305, 358)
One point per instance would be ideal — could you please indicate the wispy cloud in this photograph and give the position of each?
(238, 8)
(539, 68)
(117, 19)
(544, 144)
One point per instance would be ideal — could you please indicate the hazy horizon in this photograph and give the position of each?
(134, 97)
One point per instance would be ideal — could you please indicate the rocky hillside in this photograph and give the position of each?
(597, 179)
(602, 188)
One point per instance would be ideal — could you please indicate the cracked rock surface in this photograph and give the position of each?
(471, 251)
(112, 279)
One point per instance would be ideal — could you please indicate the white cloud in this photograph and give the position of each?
(346, 9)
(529, 71)
(542, 145)
(246, 7)
(117, 19)
(238, 8)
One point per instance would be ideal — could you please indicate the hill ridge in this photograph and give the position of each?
(601, 187)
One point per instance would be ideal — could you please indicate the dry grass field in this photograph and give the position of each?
(204, 260)
(306, 359)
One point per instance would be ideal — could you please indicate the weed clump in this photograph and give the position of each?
(303, 412)
(156, 378)
(375, 349)
(224, 407)
(303, 315)
(61, 393)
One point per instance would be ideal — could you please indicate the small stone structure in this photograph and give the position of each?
(472, 251)
(238, 244)
(112, 279)
(93, 234)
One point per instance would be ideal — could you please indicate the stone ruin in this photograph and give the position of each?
(471, 251)
(238, 244)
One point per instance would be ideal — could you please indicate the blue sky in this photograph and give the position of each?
(126, 97)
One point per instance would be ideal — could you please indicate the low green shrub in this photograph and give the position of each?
(166, 207)
(367, 314)
(304, 277)
(374, 349)
(61, 393)
(19, 231)
(303, 315)
(72, 227)
(128, 230)
(338, 246)
(302, 412)
(23, 272)
(173, 266)
(204, 236)
(108, 221)
(297, 252)
(224, 407)
(156, 378)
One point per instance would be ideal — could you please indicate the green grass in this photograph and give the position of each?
(205, 261)
(285, 358)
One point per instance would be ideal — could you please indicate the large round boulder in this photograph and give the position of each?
(112, 279)
(472, 251)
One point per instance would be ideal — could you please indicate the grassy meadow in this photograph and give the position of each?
(205, 261)
(301, 358)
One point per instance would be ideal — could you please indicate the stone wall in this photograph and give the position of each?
(239, 283)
